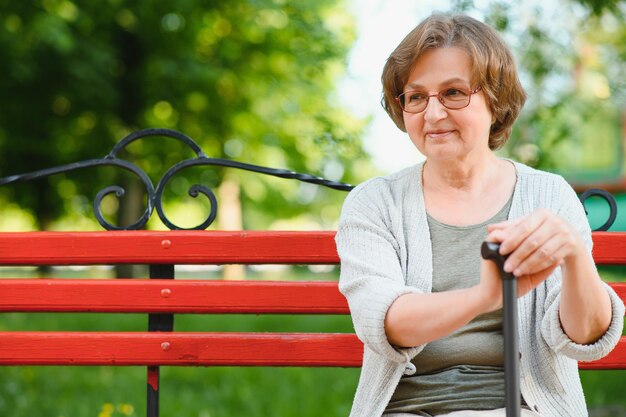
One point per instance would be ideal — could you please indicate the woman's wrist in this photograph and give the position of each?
(487, 300)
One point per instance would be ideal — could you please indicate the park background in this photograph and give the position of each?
(279, 83)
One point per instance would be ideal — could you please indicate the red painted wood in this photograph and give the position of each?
(184, 296)
(153, 378)
(614, 360)
(204, 247)
(203, 349)
(171, 247)
(180, 349)
(170, 296)
(609, 248)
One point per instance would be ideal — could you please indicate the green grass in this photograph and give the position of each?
(202, 392)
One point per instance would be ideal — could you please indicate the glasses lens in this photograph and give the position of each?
(453, 98)
(413, 102)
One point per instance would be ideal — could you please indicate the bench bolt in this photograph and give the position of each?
(165, 345)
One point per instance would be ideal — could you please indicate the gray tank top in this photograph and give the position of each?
(464, 370)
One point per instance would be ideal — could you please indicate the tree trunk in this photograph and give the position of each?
(131, 208)
(229, 218)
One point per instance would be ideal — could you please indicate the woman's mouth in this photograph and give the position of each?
(438, 134)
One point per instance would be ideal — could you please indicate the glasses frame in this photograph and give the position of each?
(438, 95)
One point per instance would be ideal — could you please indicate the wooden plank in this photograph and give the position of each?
(614, 360)
(180, 349)
(203, 349)
(182, 296)
(170, 296)
(609, 248)
(171, 247)
(204, 247)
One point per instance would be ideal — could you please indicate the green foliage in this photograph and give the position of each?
(248, 80)
(599, 7)
(571, 60)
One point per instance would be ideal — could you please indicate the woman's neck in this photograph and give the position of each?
(461, 176)
(462, 195)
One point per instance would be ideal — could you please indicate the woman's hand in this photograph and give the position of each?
(491, 283)
(539, 243)
(536, 243)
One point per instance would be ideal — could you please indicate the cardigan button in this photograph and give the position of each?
(409, 369)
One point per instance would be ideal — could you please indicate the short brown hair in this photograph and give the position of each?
(493, 68)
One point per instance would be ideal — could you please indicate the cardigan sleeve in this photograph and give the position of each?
(371, 276)
(573, 212)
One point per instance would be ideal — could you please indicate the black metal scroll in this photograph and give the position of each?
(608, 197)
(155, 194)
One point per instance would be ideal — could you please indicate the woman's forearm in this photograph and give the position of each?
(415, 319)
(585, 310)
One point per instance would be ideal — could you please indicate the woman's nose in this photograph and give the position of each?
(434, 110)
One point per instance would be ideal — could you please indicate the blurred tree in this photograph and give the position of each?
(571, 56)
(250, 80)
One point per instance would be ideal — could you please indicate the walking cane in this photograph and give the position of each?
(491, 251)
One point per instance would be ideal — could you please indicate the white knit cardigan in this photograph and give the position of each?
(384, 245)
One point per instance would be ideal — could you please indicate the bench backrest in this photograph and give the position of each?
(165, 297)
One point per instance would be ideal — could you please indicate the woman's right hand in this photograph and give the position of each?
(490, 286)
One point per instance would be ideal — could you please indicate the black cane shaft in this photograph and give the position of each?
(511, 348)
(491, 251)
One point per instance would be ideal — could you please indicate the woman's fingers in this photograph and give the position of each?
(520, 231)
(512, 233)
(538, 245)
(551, 253)
(534, 242)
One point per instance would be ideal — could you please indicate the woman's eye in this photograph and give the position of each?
(416, 97)
(453, 92)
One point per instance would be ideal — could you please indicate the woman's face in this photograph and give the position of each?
(440, 133)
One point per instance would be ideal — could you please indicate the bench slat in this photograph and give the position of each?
(184, 349)
(182, 296)
(171, 296)
(171, 247)
(614, 360)
(609, 248)
(203, 349)
(205, 247)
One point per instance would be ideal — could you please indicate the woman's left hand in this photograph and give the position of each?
(539, 243)
(536, 243)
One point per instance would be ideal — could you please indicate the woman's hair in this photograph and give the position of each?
(493, 68)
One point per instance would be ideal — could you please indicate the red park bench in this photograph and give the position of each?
(160, 296)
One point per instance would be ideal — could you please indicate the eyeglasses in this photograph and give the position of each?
(450, 98)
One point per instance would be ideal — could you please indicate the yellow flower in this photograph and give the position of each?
(107, 410)
(126, 409)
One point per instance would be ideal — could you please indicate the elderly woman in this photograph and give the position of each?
(425, 305)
